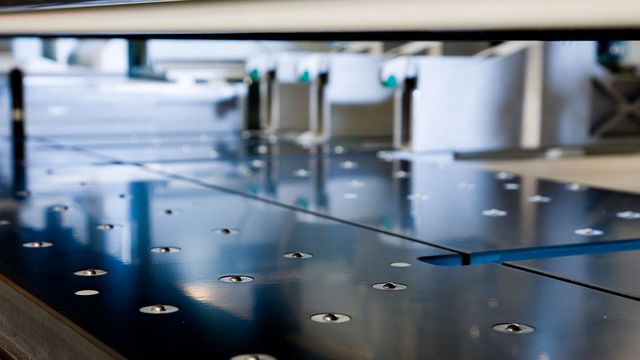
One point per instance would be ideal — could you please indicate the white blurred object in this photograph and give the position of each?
(329, 94)
(347, 97)
(456, 103)
(629, 52)
(211, 50)
(284, 99)
(35, 55)
(566, 103)
(517, 94)
(60, 49)
(109, 56)
(26, 48)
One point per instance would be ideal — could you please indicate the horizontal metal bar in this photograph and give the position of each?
(501, 256)
(471, 18)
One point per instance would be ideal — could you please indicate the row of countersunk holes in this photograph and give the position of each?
(323, 317)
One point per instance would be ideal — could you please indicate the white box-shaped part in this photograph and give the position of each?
(458, 103)
(284, 100)
(347, 97)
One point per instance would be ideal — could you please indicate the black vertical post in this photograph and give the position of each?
(17, 103)
(266, 120)
(253, 105)
(323, 81)
(406, 125)
(16, 85)
(317, 108)
(137, 53)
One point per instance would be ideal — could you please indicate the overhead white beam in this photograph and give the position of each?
(325, 15)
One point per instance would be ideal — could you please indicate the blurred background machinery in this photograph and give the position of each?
(427, 96)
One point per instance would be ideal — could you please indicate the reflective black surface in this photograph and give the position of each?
(615, 272)
(418, 198)
(444, 313)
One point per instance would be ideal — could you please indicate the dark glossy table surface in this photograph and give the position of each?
(445, 312)
(616, 272)
(416, 197)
